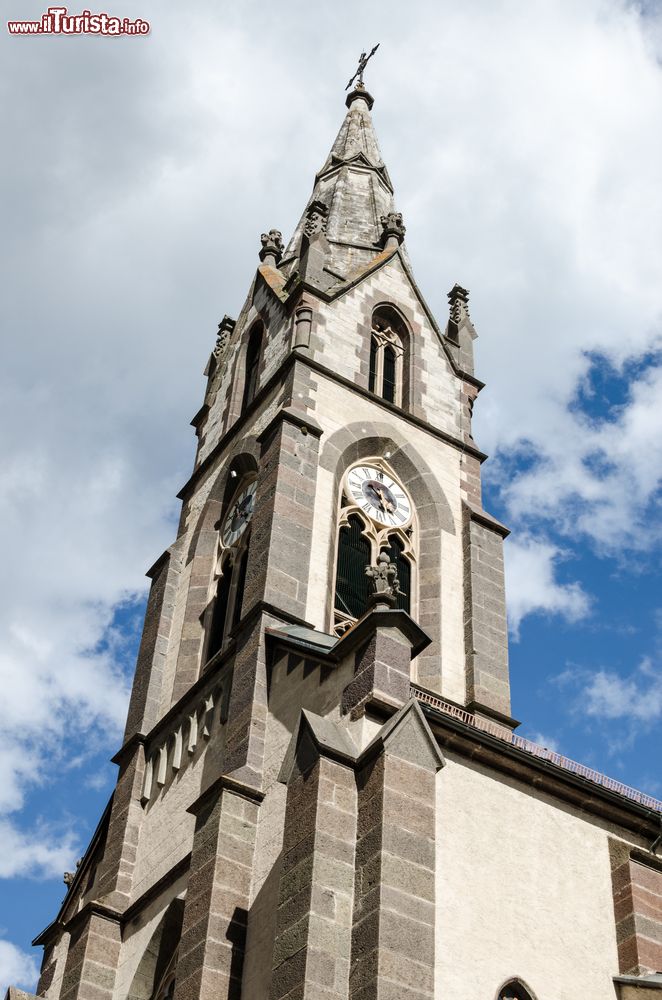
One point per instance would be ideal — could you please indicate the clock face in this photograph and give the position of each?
(380, 496)
(239, 515)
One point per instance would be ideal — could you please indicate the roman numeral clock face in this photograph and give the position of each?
(381, 497)
(239, 515)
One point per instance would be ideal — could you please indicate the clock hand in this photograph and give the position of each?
(384, 502)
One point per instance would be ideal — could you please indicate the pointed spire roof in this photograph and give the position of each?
(341, 230)
(356, 138)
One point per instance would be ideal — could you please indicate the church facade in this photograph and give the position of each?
(321, 793)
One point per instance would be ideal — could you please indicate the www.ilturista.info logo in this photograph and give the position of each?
(56, 21)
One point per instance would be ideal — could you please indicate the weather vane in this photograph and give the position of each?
(363, 62)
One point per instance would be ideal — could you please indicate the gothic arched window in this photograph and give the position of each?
(388, 346)
(225, 606)
(354, 554)
(376, 515)
(515, 989)
(219, 611)
(252, 365)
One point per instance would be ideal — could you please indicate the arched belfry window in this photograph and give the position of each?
(227, 588)
(515, 989)
(252, 365)
(388, 356)
(354, 554)
(376, 515)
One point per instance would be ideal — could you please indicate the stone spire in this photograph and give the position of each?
(351, 198)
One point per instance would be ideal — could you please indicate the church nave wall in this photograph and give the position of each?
(524, 889)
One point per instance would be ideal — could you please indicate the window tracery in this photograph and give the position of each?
(229, 578)
(387, 357)
(375, 516)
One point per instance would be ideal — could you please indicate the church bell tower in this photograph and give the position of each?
(271, 833)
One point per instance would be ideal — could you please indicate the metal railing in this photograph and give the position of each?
(503, 733)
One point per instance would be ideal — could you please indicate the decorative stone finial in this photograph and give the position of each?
(458, 301)
(272, 247)
(225, 328)
(385, 581)
(316, 217)
(393, 230)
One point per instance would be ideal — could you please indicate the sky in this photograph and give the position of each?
(523, 139)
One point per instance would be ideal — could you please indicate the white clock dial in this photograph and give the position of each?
(379, 495)
(239, 515)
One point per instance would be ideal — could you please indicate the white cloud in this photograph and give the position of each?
(17, 968)
(532, 586)
(600, 478)
(619, 709)
(543, 740)
(637, 698)
(46, 852)
(136, 197)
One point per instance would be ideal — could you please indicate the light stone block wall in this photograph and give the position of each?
(58, 959)
(138, 934)
(336, 405)
(453, 659)
(319, 690)
(176, 629)
(523, 889)
(339, 342)
(278, 325)
(167, 830)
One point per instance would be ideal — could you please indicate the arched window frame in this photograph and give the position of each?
(230, 562)
(252, 360)
(165, 989)
(154, 977)
(389, 334)
(516, 989)
(378, 536)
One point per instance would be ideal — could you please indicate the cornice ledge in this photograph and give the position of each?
(653, 982)
(366, 627)
(226, 783)
(300, 419)
(94, 908)
(482, 517)
(155, 567)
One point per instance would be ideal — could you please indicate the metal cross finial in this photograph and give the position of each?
(363, 62)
